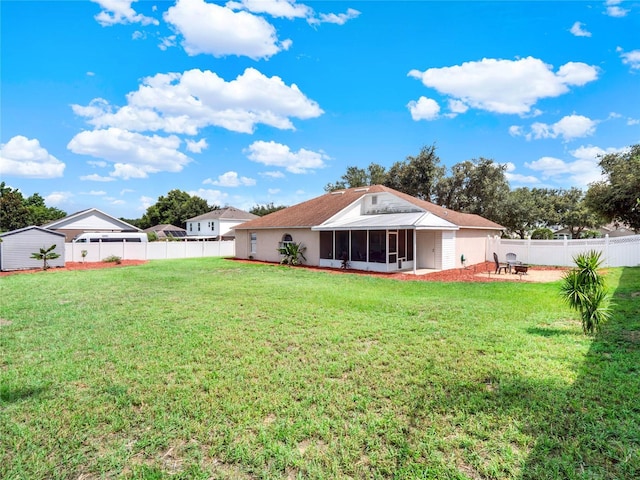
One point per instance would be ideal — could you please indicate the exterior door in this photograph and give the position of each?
(393, 247)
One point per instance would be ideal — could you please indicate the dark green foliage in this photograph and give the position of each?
(113, 259)
(19, 212)
(542, 234)
(174, 208)
(46, 254)
(262, 210)
(617, 197)
(292, 253)
(584, 290)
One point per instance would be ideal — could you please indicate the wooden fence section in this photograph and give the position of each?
(98, 251)
(616, 252)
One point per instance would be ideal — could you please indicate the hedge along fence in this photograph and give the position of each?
(616, 252)
(97, 251)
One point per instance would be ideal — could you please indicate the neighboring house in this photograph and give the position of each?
(218, 223)
(90, 220)
(17, 246)
(167, 231)
(377, 228)
(611, 229)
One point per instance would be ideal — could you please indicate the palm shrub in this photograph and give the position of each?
(292, 253)
(46, 254)
(584, 290)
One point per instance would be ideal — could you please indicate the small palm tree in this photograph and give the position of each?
(584, 290)
(291, 253)
(46, 254)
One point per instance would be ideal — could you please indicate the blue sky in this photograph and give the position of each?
(112, 103)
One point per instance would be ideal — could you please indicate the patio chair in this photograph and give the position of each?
(500, 266)
(512, 260)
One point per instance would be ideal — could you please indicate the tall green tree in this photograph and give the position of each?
(262, 210)
(520, 213)
(19, 212)
(475, 186)
(417, 176)
(574, 213)
(174, 208)
(617, 197)
(39, 213)
(374, 174)
(13, 212)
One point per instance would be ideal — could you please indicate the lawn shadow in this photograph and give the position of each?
(593, 431)
(549, 332)
(12, 395)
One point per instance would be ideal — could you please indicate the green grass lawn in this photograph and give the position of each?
(209, 368)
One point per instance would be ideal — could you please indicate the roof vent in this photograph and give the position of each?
(365, 189)
(338, 192)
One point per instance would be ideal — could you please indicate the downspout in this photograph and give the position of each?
(415, 251)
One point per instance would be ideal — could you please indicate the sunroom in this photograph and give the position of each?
(388, 242)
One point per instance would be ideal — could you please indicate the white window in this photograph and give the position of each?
(374, 200)
(198, 226)
(286, 239)
(254, 243)
(190, 227)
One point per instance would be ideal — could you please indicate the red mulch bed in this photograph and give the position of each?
(454, 275)
(80, 266)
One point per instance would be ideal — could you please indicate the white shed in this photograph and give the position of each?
(17, 246)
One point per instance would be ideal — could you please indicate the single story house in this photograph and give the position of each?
(376, 228)
(17, 246)
(90, 220)
(218, 223)
(166, 231)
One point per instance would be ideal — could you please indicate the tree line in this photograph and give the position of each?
(480, 186)
(476, 186)
(16, 211)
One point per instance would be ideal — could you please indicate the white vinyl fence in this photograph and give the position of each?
(98, 251)
(616, 252)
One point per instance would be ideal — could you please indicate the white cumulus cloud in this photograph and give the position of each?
(631, 58)
(58, 198)
(186, 102)
(94, 177)
(505, 86)
(196, 147)
(276, 8)
(336, 18)
(581, 171)
(133, 155)
(424, 109)
(231, 179)
(213, 197)
(279, 155)
(120, 12)
(614, 9)
(23, 157)
(569, 128)
(211, 29)
(579, 31)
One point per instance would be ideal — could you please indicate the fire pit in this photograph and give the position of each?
(521, 269)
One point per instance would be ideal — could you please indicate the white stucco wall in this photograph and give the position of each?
(473, 244)
(268, 241)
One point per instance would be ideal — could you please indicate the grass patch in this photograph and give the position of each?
(208, 368)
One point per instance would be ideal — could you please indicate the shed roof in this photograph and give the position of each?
(32, 227)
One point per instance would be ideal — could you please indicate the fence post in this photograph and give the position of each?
(606, 250)
(565, 242)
